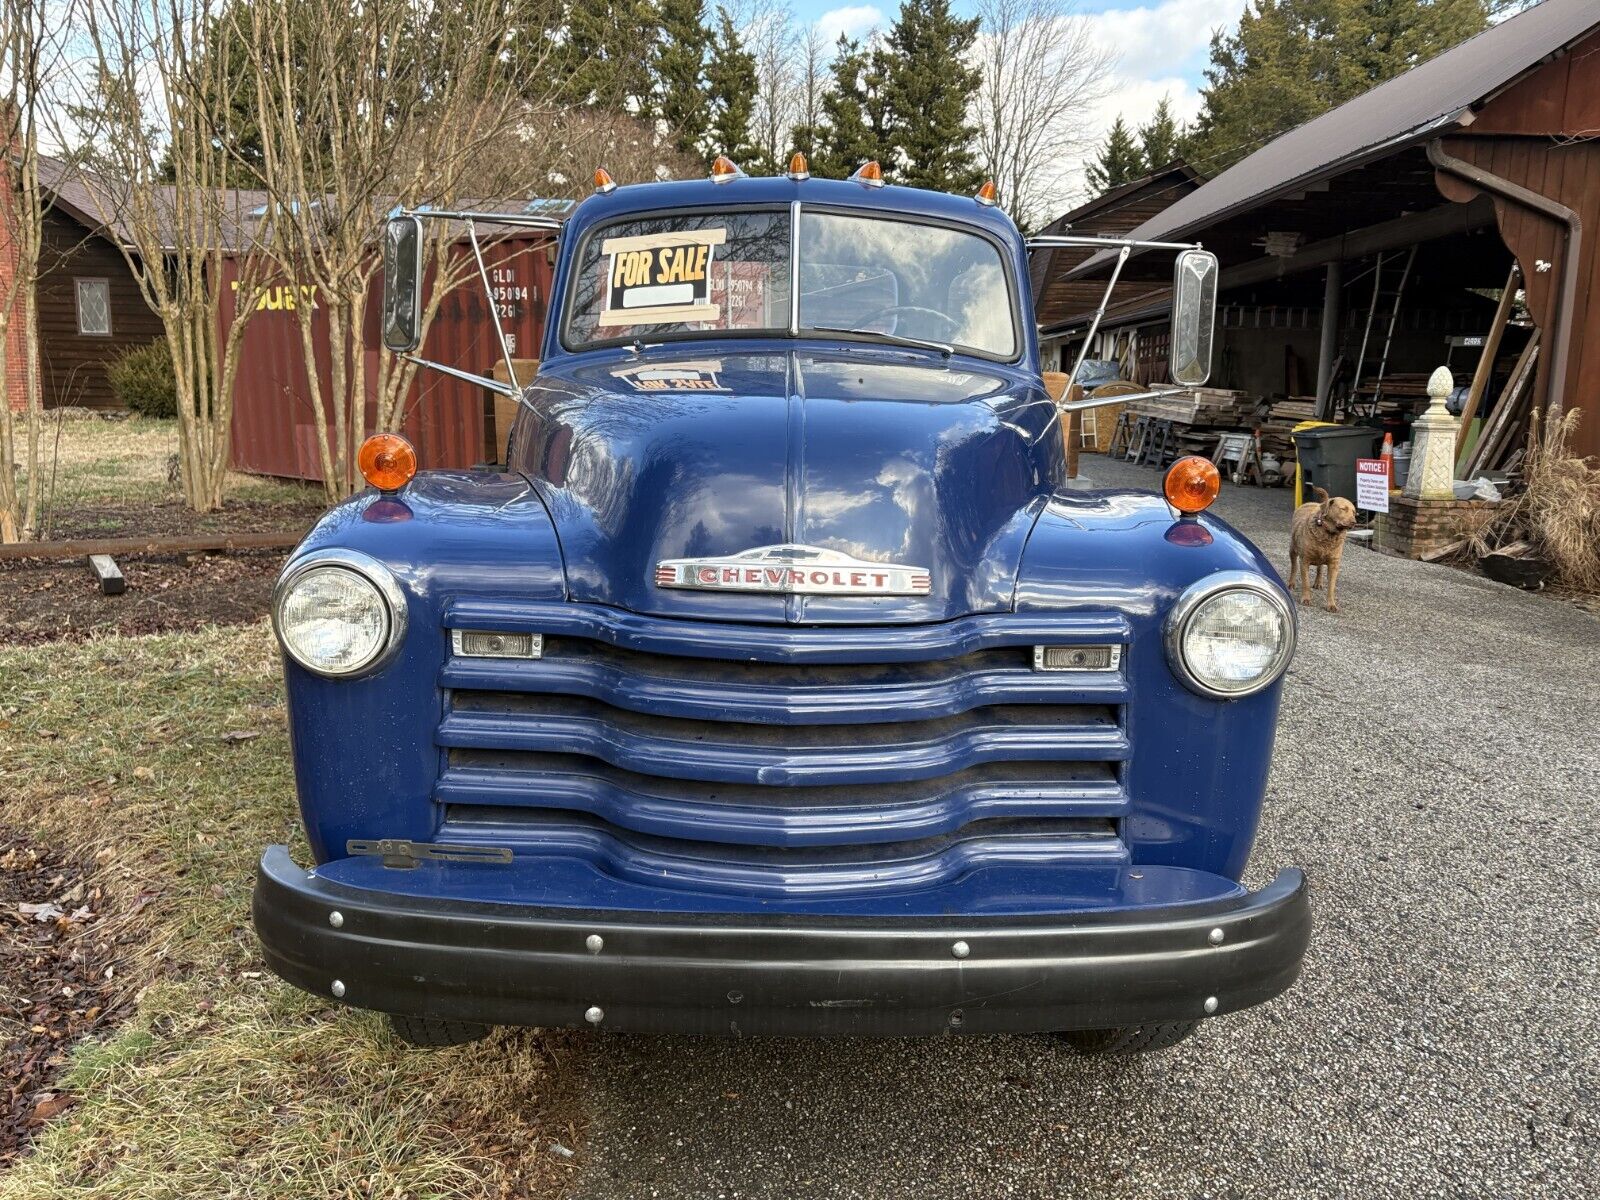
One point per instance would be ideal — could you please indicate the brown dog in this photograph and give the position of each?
(1316, 539)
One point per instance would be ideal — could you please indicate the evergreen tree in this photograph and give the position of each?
(855, 115)
(606, 54)
(679, 63)
(929, 90)
(1120, 161)
(1291, 60)
(731, 83)
(1158, 140)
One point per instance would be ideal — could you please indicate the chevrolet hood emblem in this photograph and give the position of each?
(792, 570)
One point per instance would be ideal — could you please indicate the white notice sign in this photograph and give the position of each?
(1372, 484)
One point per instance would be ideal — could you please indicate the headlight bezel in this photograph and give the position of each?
(1189, 603)
(369, 569)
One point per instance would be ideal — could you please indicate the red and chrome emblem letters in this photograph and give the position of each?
(794, 571)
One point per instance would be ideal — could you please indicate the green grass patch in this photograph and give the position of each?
(225, 1081)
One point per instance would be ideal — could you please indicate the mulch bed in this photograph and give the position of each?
(54, 983)
(45, 601)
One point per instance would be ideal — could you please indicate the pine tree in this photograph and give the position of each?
(929, 89)
(679, 63)
(1159, 139)
(730, 82)
(1120, 161)
(1291, 60)
(606, 54)
(854, 126)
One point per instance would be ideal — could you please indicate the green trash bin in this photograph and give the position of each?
(1328, 456)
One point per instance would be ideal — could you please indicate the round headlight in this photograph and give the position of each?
(338, 612)
(1230, 635)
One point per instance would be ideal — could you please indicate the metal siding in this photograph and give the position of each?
(274, 425)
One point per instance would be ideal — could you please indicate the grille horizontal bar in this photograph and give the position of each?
(767, 754)
(755, 814)
(785, 693)
(804, 871)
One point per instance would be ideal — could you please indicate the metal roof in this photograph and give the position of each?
(1401, 111)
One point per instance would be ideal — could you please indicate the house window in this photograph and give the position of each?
(94, 307)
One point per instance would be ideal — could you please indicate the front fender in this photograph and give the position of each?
(364, 751)
(1198, 771)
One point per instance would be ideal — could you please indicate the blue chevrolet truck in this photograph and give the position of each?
(782, 681)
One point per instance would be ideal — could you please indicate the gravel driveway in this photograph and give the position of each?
(1435, 775)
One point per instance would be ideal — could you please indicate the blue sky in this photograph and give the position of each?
(1162, 44)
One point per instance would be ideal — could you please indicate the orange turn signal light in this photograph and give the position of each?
(798, 168)
(1191, 485)
(603, 183)
(387, 461)
(724, 169)
(869, 173)
(988, 195)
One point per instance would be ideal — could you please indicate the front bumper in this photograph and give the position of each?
(769, 974)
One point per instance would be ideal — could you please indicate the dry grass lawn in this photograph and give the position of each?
(226, 1082)
(88, 459)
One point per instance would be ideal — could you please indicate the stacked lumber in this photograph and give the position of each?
(1276, 422)
(1198, 406)
(1397, 384)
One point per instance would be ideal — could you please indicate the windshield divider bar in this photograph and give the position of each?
(494, 309)
(794, 269)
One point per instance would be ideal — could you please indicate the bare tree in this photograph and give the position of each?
(770, 36)
(1041, 74)
(811, 82)
(157, 170)
(30, 54)
(360, 107)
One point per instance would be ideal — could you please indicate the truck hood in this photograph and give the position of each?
(887, 456)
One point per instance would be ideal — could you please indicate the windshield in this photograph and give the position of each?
(692, 274)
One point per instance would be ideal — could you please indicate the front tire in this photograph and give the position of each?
(432, 1033)
(1127, 1039)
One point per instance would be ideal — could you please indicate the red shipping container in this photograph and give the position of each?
(274, 422)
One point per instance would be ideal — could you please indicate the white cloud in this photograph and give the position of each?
(855, 22)
(1162, 48)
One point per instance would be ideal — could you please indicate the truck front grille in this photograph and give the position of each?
(779, 760)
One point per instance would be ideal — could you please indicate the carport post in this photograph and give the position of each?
(1332, 290)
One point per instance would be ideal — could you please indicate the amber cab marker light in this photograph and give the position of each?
(798, 169)
(869, 173)
(724, 169)
(387, 461)
(988, 195)
(603, 183)
(1192, 484)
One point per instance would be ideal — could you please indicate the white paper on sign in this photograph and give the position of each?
(1372, 484)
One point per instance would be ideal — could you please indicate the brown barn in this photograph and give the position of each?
(1386, 222)
(90, 307)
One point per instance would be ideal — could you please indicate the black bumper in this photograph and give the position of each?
(501, 964)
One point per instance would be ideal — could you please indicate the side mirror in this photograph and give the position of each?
(402, 283)
(1194, 316)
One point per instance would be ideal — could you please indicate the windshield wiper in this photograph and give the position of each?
(896, 339)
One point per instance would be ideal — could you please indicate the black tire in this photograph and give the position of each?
(1128, 1039)
(431, 1033)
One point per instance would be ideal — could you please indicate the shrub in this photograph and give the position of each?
(144, 381)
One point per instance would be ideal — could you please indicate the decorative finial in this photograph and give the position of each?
(1440, 384)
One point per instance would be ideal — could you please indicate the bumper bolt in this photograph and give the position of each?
(1215, 936)
(594, 943)
(336, 919)
(961, 949)
(1211, 1004)
(595, 1014)
(338, 989)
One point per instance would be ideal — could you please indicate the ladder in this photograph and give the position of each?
(1372, 363)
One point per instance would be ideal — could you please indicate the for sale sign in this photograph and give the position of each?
(1372, 484)
(660, 278)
